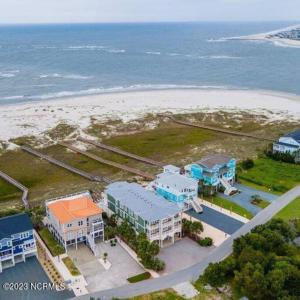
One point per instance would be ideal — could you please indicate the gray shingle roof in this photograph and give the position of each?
(144, 203)
(14, 224)
(211, 160)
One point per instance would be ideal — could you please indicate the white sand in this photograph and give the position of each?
(36, 117)
(266, 37)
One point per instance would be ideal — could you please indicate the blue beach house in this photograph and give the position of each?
(176, 188)
(17, 241)
(215, 171)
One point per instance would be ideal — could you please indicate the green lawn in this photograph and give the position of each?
(291, 211)
(273, 175)
(54, 247)
(70, 265)
(139, 277)
(230, 206)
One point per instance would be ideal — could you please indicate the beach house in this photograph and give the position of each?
(177, 188)
(17, 241)
(145, 211)
(214, 171)
(289, 143)
(75, 219)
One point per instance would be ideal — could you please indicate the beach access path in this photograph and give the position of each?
(19, 185)
(193, 272)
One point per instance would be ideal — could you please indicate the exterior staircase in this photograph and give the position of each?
(196, 206)
(91, 244)
(229, 189)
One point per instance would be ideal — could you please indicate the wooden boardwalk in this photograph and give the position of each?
(122, 152)
(109, 162)
(19, 186)
(221, 130)
(65, 166)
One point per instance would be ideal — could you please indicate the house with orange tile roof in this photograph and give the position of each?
(75, 219)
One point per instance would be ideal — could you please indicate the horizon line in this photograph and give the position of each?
(148, 22)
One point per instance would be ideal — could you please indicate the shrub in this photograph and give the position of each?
(139, 277)
(247, 164)
(206, 242)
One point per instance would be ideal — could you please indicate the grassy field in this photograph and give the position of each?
(272, 175)
(70, 265)
(162, 142)
(139, 277)
(153, 137)
(54, 247)
(291, 211)
(230, 206)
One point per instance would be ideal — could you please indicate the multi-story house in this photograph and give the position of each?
(177, 188)
(214, 171)
(17, 241)
(75, 219)
(145, 211)
(290, 143)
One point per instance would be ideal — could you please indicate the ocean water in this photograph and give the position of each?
(50, 61)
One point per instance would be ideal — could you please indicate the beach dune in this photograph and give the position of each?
(36, 117)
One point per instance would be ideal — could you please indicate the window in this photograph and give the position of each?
(69, 225)
(80, 223)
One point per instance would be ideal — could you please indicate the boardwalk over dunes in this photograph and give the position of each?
(65, 166)
(19, 186)
(221, 130)
(122, 152)
(109, 162)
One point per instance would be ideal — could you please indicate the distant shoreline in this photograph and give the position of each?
(37, 117)
(285, 42)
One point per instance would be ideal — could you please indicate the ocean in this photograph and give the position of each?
(49, 61)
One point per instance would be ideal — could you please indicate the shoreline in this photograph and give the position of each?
(34, 118)
(283, 42)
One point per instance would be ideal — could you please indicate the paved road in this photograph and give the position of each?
(217, 219)
(193, 272)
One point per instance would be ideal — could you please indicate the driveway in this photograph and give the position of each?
(244, 198)
(123, 266)
(216, 219)
(184, 253)
(30, 272)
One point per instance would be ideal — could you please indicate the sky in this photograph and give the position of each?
(89, 11)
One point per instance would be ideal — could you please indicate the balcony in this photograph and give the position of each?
(7, 256)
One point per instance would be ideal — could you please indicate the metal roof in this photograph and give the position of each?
(14, 224)
(212, 160)
(144, 203)
(295, 135)
(176, 181)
